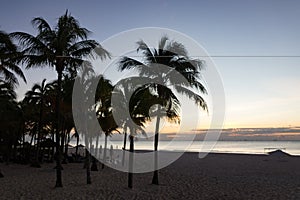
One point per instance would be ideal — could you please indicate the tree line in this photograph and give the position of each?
(45, 113)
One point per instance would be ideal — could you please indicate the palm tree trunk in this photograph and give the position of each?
(125, 138)
(67, 140)
(131, 150)
(37, 163)
(92, 155)
(124, 147)
(53, 146)
(155, 174)
(87, 155)
(30, 147)
(104, 154)
(88, 169)
(62, 137)
(77, 143)
(96, 147)
(15, 149)
(58, 150)
(62, 145)
(23, 144)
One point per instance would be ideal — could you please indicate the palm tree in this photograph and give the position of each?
(108, 126)
(10, 119)
(8, 59)
(136, 102)
(62, 47)
(66, 116)
(37, 96)
(175, 56)
(98, 102)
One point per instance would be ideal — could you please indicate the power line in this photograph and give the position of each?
(229, 56)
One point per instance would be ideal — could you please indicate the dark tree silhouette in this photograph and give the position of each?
(37, 96)
(62, 47)
(174, 55)
(8, 60)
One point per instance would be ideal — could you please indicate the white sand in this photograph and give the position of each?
(218, 176)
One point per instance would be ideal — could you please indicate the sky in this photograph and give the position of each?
(259, 91)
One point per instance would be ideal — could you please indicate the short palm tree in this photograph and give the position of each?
(109, 126)
(103, 111)
(10, 119)
(90, 103)
(38, 96)
(135, 103)
(174, 55)
(8, 60)
(63, 47)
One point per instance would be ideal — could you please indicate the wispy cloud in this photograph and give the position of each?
(279, 133)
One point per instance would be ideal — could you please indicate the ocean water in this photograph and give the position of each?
(243, 147)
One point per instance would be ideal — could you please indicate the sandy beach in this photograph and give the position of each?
(217, 176)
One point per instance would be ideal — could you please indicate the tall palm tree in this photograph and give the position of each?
(8, 60)
(62, 47)
(37, 96)
(174, 55)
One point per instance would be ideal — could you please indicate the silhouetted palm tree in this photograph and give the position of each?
(82, 84)
(136, 103)
(175, 56)
(92, 102)
(67, 122)
(10, 119)
(108, 126)
(37, 96)
(8, 60)
(62, 47)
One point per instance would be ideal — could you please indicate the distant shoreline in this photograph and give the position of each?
(239, 147)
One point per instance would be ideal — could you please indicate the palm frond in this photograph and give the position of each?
(37, 61)
(129, 63)
(9, 76)
(162, 44)
(176, 48)
(142, 46)
(199, 101)
(16, 69)
(41, 24)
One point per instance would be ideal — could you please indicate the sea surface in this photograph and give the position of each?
(241, 147)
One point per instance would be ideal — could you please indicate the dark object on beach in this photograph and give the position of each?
(278, 153)
(61, 167)
(35, 164)
(94, 166)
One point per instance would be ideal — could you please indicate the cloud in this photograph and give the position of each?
(279, 133)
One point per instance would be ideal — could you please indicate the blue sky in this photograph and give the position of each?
(260, 92)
